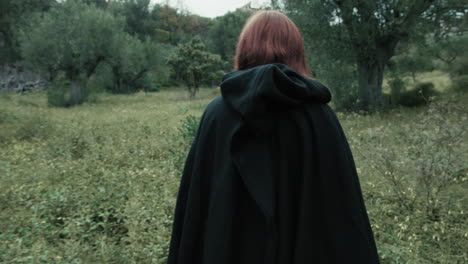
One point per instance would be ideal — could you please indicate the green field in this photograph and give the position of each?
(97, 183)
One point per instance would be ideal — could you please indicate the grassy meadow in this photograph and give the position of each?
(97, 183)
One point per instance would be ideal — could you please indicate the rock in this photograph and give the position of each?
(20, 80)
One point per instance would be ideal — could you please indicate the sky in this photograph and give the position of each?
(212, 8)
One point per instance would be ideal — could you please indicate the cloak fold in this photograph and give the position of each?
(270, 179)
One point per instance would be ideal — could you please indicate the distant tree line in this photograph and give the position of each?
(124, 46)
(121, 46)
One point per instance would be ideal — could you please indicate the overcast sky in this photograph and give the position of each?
(212, 8)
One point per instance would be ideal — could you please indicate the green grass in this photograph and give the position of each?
(97, 183)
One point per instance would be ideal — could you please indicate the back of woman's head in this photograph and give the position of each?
(270, 37)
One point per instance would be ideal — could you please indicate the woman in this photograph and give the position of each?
(270, 178)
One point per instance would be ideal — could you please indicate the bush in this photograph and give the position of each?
(460, 84)
(420, 95)
(57, 92)
(182, 142)
(188, 129)
(345, 95)
(23, 127)
(132, 64)
(33, 127)
(416, 180)
(436, 158)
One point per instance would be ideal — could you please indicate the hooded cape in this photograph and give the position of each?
(270, 179)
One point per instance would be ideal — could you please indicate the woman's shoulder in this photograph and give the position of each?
(218, 110)
(215, 105)
(218, 116)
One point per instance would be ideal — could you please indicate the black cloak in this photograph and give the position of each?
(270, 179)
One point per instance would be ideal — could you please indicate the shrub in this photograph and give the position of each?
(433, 148)
(416, 180)
(33, 127)
(186, 134)
(132, 64)
(188, 128)
(23, 127)
(151, 83)
(420, 95)
(347, 98)
(397, 86)
(57, 92)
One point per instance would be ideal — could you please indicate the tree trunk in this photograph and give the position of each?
(193, 92)
(370, 84)
(77, 92)
(371, 69)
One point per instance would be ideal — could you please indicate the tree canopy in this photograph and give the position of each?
(224, 33)
(370, 31)
(72, 38)
(14, 14)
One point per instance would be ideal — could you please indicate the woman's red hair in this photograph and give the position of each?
(270, 37)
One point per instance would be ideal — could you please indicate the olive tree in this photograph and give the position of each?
(73, 38)
(371, 31)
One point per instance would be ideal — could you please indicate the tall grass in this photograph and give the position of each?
(97, 183)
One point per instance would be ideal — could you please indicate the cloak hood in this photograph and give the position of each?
(258, 91)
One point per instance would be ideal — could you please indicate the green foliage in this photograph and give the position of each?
(410, 59)
(331, 64)
(366, 33)
(92, 49)
(418, 169)
(132, 63)
(397, 87)
(421, 94)
(168, 28)
(137, 13)
(97, 3)
(177, 26)
(151, 83)
(91, 185)
(87, 188)
(74, 38)
(460, 66)
(195, 66)
(188, 129)
(436, 158)
(450, 51)
(22, 127)
(57, 91)
(14, 15)
(224, 33)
